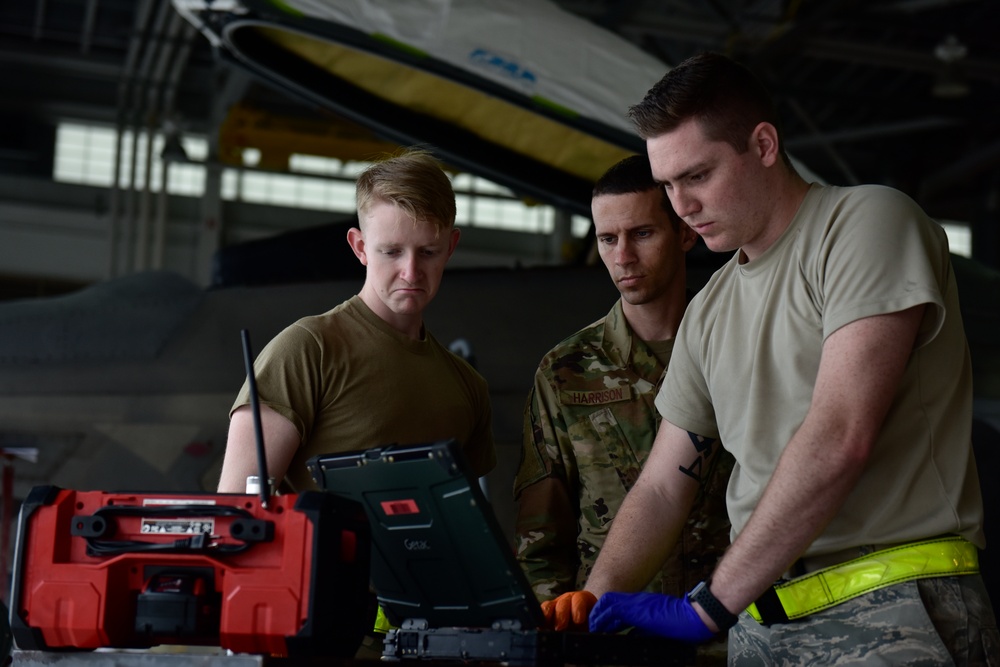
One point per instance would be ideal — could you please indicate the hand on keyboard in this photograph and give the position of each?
(569, 611)
(651, 613)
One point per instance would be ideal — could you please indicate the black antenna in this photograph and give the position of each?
(265, 484)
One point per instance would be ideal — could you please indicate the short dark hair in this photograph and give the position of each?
(724, 96)
(633, 174)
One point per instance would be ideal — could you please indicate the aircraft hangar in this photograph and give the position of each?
(172, 172)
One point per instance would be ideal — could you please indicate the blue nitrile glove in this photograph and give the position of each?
(654, 613)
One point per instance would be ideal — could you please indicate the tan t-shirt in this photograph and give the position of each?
(349, 381)
(748, 352)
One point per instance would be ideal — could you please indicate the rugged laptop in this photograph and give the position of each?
(446, 576)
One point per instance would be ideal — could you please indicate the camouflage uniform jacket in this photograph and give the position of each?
(589, 425)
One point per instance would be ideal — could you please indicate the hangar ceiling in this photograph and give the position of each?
(899, 92)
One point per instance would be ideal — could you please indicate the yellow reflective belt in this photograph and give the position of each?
(382, 623)
(789, 600)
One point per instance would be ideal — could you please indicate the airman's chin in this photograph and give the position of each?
(409, 305)
(636, 298)
(719, 245)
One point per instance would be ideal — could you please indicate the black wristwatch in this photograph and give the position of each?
(702, 594)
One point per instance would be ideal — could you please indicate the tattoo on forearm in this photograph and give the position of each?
(704, 447)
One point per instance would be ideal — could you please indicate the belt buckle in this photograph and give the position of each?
(769, 607)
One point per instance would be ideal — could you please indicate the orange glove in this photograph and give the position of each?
(569, 611)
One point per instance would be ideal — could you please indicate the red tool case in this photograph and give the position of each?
(98, 569)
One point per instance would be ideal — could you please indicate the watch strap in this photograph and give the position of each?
(722, 617)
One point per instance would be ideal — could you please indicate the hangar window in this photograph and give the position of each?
(79, 149)
(959, 237)
(85, 154)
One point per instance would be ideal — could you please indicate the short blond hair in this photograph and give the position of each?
(412, 180)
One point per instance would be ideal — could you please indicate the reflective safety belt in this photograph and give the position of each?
(382, 624)
(822, 589)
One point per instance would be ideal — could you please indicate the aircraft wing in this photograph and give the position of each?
(524, 94)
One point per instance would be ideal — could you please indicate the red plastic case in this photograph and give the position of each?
(126, 570)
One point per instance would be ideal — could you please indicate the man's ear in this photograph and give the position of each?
(453, 241)
(356, 240)
(688, 236)
(764, 139)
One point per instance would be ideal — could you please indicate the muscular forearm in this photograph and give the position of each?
(653, 513)
(642, 535)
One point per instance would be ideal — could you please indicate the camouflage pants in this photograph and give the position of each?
(939, 621)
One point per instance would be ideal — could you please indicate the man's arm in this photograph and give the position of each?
(545, 531)
(858, 378)
(653, 513)
(547, 521)
(281, 439)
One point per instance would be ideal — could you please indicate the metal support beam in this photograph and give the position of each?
(825, 142)
(870, 132)
(87, 30)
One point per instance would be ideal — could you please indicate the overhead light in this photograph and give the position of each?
(173, 149)
(949, 83)
(950, 49)
(251, 157)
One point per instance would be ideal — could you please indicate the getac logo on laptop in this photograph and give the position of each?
(416, 545)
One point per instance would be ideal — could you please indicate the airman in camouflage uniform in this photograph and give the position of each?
(590, 421)
(589, 425)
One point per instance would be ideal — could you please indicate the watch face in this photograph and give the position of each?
(698, 591)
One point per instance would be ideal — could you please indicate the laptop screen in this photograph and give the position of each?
(438, 553)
